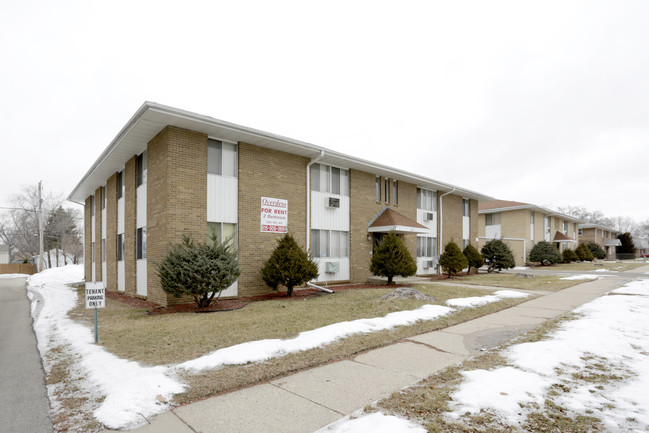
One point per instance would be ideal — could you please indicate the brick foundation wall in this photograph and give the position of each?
(176, 199)
(267, 173)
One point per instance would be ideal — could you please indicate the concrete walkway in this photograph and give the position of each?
(309, 400)
(24, 405)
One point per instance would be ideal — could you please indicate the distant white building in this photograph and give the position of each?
(4, 254)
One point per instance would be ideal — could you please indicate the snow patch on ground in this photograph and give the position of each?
(580, 277)
(129, 387)
(11, 276)
(475, 301)
(375, 423)
(613, 331)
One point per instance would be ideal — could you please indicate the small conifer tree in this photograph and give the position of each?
(497, 255)
(288, 265)
(583, 253)
(545, 253)
(569, 256)
(452, 260)
(392, 258)
(474, 257)
(596, 250)
(199, 270)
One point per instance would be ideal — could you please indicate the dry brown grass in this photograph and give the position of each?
(548, 283)
(173, 338)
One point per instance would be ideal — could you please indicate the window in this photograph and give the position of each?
(581, 232)
(395, 192)
(222, 232)
(387, 190)
(426, 246)
(325, 178)
(490, 219)
(565, 227)
(120, 184)
(141, 168)
(426, 199)
(92, 206)
(378, 188)
(221, 158)
(120, 247)
(104, 199)
(103, 250)
(532, 218)
(329, 243)
(465, 243)
(465, 207)
(141, 243)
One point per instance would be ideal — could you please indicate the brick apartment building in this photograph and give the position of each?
(605, 237)
(170, 173)
(522, 225)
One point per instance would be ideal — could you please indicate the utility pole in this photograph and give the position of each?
(40, 225)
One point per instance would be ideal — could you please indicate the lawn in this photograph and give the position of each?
(593, 266)
(548, 283)
(166, 339)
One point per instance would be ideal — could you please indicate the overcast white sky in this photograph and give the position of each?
(544, 102)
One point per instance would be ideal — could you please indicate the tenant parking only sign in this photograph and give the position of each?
(274, 215)
(95, 296)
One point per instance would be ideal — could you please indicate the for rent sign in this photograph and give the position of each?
(95, 295)
(274, 215)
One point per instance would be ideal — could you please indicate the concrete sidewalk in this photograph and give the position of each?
(309, 400)
(24, 404)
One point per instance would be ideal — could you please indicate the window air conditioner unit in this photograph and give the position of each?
(428, 264)
(429, 216)
(332, 202)
(332, 267)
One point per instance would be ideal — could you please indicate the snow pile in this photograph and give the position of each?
(580, 277)
(12, 276)
(603, 270)
(615, 328)
(638, 287)
(475, 301)
(261, 350)
(375, 423)
(129, 387)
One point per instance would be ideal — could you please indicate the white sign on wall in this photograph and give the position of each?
(274, 215)
(95, 295)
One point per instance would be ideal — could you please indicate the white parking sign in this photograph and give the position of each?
(95, 296)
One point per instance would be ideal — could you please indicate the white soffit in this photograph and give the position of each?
(151, 118)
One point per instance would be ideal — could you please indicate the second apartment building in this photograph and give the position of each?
(171, 172)
(522, 225)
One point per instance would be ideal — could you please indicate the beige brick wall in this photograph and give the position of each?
(588, 235)
(451, 220)
(130, 203)
(267, 173)
(364, 208)
(111, 233)
(176, 199)
(87, 230)
(98, 199)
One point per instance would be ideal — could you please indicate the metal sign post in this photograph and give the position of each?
(95, 298)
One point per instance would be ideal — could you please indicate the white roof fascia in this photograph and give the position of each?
(151, 118)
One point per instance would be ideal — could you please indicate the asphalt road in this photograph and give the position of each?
(24, 406)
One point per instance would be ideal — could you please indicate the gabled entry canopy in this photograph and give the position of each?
(560, 237)
(391, 221)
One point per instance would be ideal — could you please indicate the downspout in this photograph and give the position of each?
(308, 199)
